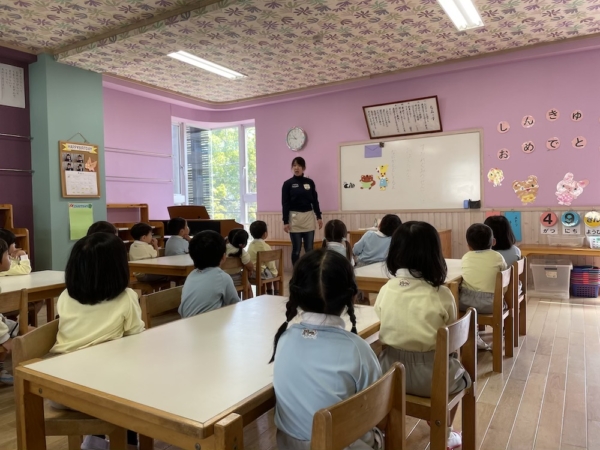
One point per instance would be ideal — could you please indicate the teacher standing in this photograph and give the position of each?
(300, 204)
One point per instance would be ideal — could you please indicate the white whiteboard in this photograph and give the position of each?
(433, 172)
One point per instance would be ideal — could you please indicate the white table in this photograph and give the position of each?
(42, 285)
(371, 278)
(178, 266)
(211, 365)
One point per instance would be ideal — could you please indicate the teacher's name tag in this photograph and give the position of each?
(307, 187)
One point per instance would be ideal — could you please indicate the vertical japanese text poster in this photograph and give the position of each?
(12, 86)
(81, 217)
(79, 169)
(514, 217)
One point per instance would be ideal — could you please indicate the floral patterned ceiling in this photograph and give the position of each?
(280, 45)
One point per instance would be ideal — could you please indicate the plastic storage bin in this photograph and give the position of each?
(585, 281)
(551, 277)
(566, 241)
(594, 241)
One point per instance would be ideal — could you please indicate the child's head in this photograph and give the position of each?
(207, 249)
(239, 239)
(389, 224)
(335, 231)
(97, 269)
(416, 246)
(480, 237)
(102, 227)
(502, 231)
(323, 282)
(177, 227)
(5, 260)
(258, 229)
(142, 232)
(10, 239)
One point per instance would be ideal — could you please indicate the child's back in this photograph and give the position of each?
(335, 239)
(505, 239)
(178, 243)
(374, 245)
(97, 305)
(19, 260)
(207, 287)
(317, 362)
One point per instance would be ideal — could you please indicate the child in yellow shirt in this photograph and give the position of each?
(259, 232)
(19, 261)
(8, 328)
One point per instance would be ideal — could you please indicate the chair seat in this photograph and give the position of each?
(420, 407)
(521, 298)
(488, 319)
(73, 423)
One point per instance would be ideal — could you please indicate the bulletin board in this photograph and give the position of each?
(420, 172)
(79, 169)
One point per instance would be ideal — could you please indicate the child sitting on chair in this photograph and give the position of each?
(480, 265)
(19, 261)
(8, 328)
(374, 245)
(179, 242)
(144, 247)
(235, 247)
(258, 231)
(207, 287)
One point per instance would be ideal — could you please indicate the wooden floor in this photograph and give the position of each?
(547, 399)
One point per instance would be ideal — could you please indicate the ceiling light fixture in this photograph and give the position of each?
(463, 14)
(206, 65)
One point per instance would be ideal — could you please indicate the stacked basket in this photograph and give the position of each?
(585, 281)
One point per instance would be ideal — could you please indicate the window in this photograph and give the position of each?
(221, 170)
(178, 159)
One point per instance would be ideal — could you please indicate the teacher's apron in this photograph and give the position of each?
(302, 222)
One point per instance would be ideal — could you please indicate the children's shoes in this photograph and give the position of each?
(454, 440)
(94, 443)
(481, 344)
(6, 378)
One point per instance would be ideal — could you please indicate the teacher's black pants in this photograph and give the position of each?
(308, 237)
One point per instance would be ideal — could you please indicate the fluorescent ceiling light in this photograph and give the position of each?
(206, 65)
(463, 13)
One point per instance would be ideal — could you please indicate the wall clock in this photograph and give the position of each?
(296, 139)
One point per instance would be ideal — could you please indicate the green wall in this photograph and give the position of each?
(64, 101)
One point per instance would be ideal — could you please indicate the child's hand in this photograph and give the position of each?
(8, 345)
(154, 243)
(18, 253)
(187, 237)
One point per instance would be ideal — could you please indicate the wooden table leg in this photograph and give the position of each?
(50, 314)
(229, 433)
(31, 428)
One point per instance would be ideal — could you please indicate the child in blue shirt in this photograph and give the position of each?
(374, 245)
(179, 242)
(317, 362)
(505, 239)
(207, 287)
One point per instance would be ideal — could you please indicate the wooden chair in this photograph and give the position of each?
(160, 252)
(338, 426)
(159, 302)
(147, 287)
(235, 263)
(262, 258)
(501, 320)
(35, 345)
(438, 409)
(520, 299)
(16, 301)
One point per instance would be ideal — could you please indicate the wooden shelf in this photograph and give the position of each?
(6, 221)
(124, 228)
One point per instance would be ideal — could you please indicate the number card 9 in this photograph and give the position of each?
(571, 222)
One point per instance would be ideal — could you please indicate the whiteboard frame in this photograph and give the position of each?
(408, 138)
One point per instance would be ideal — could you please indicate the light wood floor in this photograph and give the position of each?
(547, 399)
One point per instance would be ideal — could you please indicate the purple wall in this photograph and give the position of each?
(137, 133)
(472, 94)
(16, 188)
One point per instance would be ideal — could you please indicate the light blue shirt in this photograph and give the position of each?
(176, 245)
(205, 290)
(318, 364)
(373, 247)
(511, 255)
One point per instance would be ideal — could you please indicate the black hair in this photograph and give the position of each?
(323, 282)
(102, 226)
(239, 240)
(207, 249)
(336, 231)
(175, 225)
(505, 238)
(8, 236)
(389, 224)
(140, 230)
(258, 228)
(480, 237)
(416, 246)
(300, 161)
(97, 269)
(3, 247)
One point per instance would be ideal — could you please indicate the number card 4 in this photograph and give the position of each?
(549, 223)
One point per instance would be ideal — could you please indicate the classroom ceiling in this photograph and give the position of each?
(280, 45)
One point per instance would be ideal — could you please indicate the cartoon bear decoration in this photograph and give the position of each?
(526, 190)
(381, 174)
(367, 181)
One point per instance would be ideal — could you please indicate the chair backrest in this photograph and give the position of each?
(159, 302)
(35, 344)
(235, 262)
(188, 212)
(340, 425)
(268, 256)
(504, 290)
(520, 274)
(160, 252)
(16, 301)
(459, 335)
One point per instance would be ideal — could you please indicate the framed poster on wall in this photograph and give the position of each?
(79, 171)
(415, 116)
